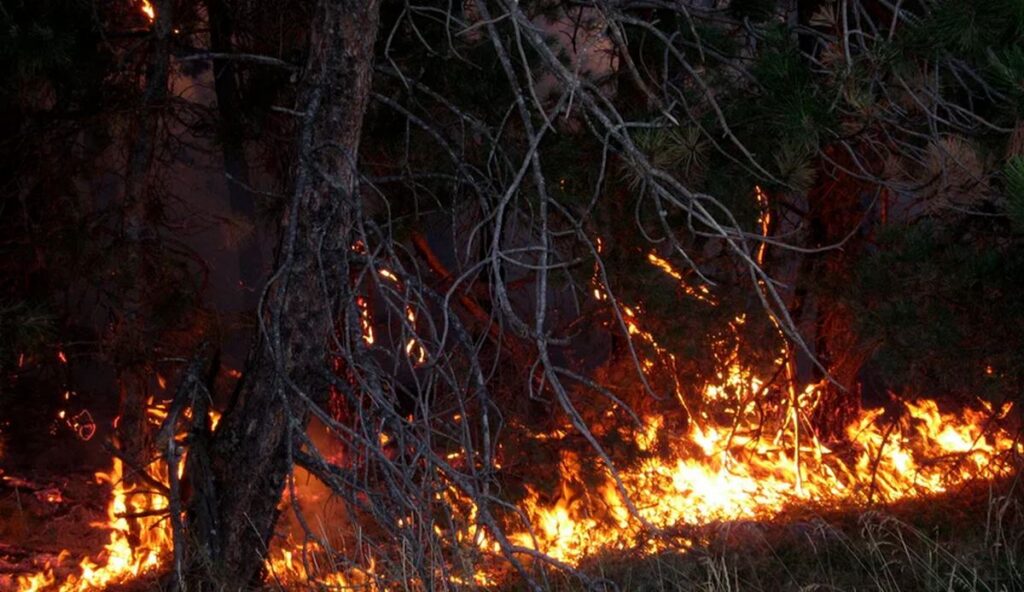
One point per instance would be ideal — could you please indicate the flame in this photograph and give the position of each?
(139, 531)
(713, 471)
(701, 292)
(729, 472)
(745, 469)
(413, 347)
(748, 451)
(121, 561)
(764, 221)
(364, 320)
(734, 465)
(147, 9)
(287, 567)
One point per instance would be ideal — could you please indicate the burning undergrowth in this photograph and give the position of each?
(644, 457)
(967, 541)
(609, 475)
(422, 414)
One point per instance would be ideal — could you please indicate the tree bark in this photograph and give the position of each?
(133, 344)
(231, 136)
(238, 483)
(834, 208)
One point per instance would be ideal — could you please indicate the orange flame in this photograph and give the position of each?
(764, 221)
(121, 561)
(740, 470)
(148, 10)
(730, 463)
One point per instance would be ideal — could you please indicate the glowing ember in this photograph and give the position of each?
(364, 320)
(764, 221)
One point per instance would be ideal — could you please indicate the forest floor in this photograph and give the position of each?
(971, 540)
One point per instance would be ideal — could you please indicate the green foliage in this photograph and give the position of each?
(943, 305)
(683, 151)
(1008, 68)
(986, 36)
(968, 27)
(796, 167)
(790, 107)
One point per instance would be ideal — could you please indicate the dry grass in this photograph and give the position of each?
(971, 542)
(968, 541)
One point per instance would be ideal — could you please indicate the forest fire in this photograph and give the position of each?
(744, 469)
(738, 475)
(729, 465)
(511, 295)
(127, 555)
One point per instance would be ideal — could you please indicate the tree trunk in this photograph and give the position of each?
(236, 165)
(834, 208)
(237, 487)
(133, 344)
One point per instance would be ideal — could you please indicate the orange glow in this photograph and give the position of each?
(740, 466)
(413, 348)
(747, 451)
(287, 567)
(701, 293)
(119, 562)
(664, 266)
(764, 220)
(364, 319)
(148, 10)
(729, 472)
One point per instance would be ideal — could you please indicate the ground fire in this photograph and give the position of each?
(537, 295)
(716, 471)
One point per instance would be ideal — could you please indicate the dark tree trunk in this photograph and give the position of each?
(238, 484)
(133, 343)
(835, 207)
(231, 136)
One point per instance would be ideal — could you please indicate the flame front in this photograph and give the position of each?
(732, 461)
(721, 473)
(748, 468)
(121, 560)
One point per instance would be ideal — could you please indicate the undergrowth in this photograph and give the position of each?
(964, 543)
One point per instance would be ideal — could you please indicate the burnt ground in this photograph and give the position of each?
(49, 495)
